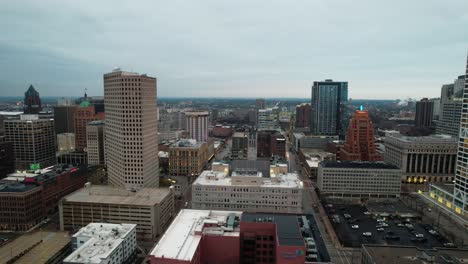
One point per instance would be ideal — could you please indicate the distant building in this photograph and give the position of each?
(32, 101)
(375, 254)
(436, 112)
(424, 113)
(240, 145)
(197, 125)
(267, 119)
(360, 144)
(66, 142)
(74, 158)
(220, 131)
(34, 141)
(131, 144)
(356, 180)
(303, 116)
(103, 243)
(95, 142)
(187, 157)
(451, 101)
(64, 117)
(326, 107)
(310, 159)
(151, 209)
(302, 140)
(260, 103)
(7, 157)
(422, 159)
(219, 189)
(270, 143)
(239, 238)
(85, 113)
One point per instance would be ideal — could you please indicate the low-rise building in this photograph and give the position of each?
(248, 190)
(310, 159)
(188, 157)
(303, 140)
(422, 159)
(151, 209)
(103, 243)
(270, 143)
(229, 237)
(358, 180)
(376, 254)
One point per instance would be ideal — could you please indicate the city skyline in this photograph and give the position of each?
(220, 50)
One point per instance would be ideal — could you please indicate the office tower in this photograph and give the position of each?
(267, 119)
(240, 145)
(436, 112)
(422, 159)
(360, 143)
(7, 157)
(197, 125)
(64, 101)
(131, 145)
(260, 103)
(461, 174)
(95, 142)
(85, 113)
(303, 116)
(34, 141)
(326, 107)
(64, 117)
(450, 108)
(424, 113)
(32, 101)
(270, 143)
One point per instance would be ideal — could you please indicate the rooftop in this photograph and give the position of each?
(197, 113)
(16, 187)
(358, 164)
(413, 255)
(287, 227)
(113, 195)
(39, 175)
(96, 123)
(286, 180)
(182, 238)
(240, 134)
(187, 143)
(103, 239)
(438, 138)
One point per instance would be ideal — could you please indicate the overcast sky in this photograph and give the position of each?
(384, 49)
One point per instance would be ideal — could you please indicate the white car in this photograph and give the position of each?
(384, 224)
(380, 220)
(367, 234)
(355, 226)
(419, 235)
(380, 229)
(367, 213)
(432, 232)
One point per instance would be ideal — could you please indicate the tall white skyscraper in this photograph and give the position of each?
(461, 176)
(131, 145)
(197, 125)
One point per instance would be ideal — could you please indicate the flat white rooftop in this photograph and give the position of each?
(182, 238)
(286, 180)
(103, 240)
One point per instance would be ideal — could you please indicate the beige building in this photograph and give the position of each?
(95, 142)
(248, 190)
(131, 129)
(188, 157)
(66, 142)
(150, 209)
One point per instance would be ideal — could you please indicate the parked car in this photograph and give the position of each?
(355, 226)
(380, 229)
(419, 235)
(367, 234)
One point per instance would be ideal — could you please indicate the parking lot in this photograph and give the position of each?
(355, 225)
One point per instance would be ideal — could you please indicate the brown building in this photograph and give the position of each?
(64, 117)
(189, 157)
(424, 113)
(240, 145)
(270, 143)
(84, 114)
(303, 116)
(20, 206)
(360, 144)
(7, 157)
(220, 131)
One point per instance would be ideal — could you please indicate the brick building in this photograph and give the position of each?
(270, 143)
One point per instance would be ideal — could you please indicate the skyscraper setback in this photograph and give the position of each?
(326, 107)
(360, 143)
(131, 129)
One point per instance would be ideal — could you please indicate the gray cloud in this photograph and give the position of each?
(385, 49)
